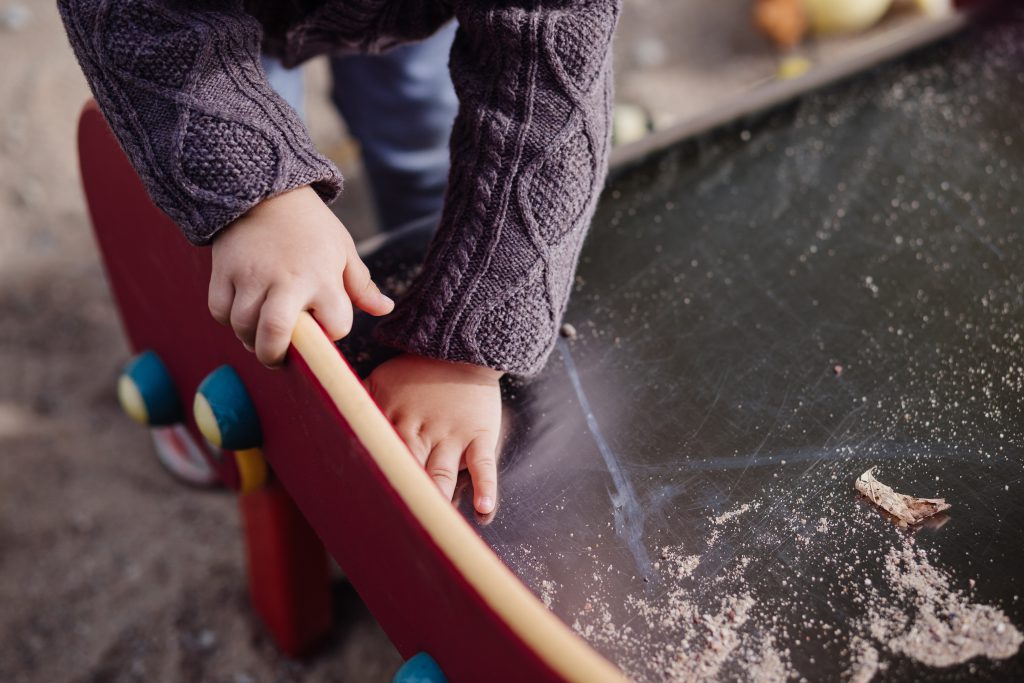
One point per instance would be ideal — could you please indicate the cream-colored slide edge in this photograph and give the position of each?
(553, 641)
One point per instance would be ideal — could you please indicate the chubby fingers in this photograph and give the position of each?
(333, 310)
(245, 314)
(277, 319)
(263, 320)
(280, 312)
(481, 461)
(362, 290)
(443, 466)
(220, 297)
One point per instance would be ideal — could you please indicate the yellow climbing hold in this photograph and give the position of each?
(206, 420)
(131, 400)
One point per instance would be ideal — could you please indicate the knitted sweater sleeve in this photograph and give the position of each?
(529, 154)
(181, 85)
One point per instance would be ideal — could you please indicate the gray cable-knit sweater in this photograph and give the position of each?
(181, 84)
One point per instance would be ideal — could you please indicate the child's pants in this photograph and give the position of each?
(400, 107)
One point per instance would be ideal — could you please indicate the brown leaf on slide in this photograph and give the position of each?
(907, 510)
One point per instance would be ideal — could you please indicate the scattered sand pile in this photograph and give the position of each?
(926, 619)
(864, 663)
(702, 622)
(726, 639)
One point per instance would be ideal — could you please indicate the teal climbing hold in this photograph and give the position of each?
(420, 668)
(147, 393)
(224, 412)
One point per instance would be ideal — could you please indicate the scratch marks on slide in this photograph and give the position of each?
(626, 508)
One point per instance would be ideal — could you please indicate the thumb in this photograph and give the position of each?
(363, 291)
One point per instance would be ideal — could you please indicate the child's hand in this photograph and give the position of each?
(449, 415)
(286, 255)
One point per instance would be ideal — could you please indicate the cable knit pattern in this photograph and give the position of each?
(528, 162)
(180, 83)
(182, 88)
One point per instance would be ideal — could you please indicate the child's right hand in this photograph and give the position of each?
(288, 254)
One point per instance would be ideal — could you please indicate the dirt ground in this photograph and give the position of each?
(109, 569)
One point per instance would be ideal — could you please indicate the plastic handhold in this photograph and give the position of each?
(420, 668)
(147, 393)
(224, 412)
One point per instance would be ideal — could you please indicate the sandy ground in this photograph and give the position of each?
(109, 569)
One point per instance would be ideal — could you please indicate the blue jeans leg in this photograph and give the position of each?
(400, 106)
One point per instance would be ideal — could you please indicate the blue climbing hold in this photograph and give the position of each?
(420, 668)
(147, 393)
(224, 412)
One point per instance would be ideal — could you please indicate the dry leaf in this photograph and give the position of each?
(908, 510)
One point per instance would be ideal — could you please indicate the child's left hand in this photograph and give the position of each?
(449, 415)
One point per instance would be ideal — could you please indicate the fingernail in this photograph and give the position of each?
(386, 299)
(485, 504)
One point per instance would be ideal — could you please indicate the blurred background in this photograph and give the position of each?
(110, 570)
